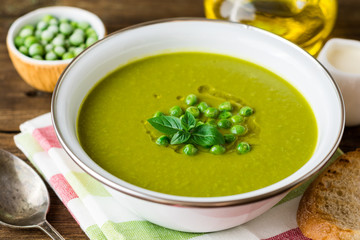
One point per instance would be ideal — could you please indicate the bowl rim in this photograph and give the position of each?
(22, 20)
(188, 202)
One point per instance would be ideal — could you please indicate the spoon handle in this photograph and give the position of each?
(50, 230)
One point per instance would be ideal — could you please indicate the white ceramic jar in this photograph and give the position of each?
(341, 57)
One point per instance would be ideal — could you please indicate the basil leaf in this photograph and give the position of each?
(206, 135)
(188, 121)
(166, 124)
(180, 137)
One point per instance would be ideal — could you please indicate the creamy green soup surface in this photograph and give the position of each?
(113, 130)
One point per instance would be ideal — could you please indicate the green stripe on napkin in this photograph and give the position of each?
(25, 141)
(142, 230)
(84, 185)
(94, 232)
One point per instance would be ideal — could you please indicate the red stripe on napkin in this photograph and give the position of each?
(293, 234)
(62, 188)
(46, 137)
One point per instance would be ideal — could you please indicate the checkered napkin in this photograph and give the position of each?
(101, 217)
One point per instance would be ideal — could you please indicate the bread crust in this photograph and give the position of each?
(330, 207)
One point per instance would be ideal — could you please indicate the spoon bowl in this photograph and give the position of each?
(24, 199)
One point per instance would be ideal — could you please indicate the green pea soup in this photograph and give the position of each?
(113, 130)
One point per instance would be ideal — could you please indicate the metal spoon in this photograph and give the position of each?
(24, 199)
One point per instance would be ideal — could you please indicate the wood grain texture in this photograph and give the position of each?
(20, 102)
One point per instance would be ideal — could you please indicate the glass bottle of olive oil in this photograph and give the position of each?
(304, 22)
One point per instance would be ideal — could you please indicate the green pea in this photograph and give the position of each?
(53, 28)
(90, 41)
(29, 26)
(176, 111)
(38, 34)
(191, 100)
(203, 106)
(193, 111)
(25, 32)
(66, 28)
(36, 49)
(217, 149)
(47, 18)
(246, 111)
(49, 47)
(67, 55)
(47, 35)
(237, 119)
(224, 123)
(58, 41)
(229, 138)
(43, 42)
(243, 147)
(42, 25)
(238, 130)
(190, 149)
(19, 41)
(163, 141)
(211, 122)
(64, 20)
(94, 35)
(74, 24)
(225, 106)
(83, 25)
(61, 36)
(54, 22)
(51, 55)
(78, 50)
(211, 112)
(59, 50)
(79, 31)
(90, 32)
(30, 40)
(76, 39)
(158, 114)
(225, 115)
(37, 57)
(24, 50)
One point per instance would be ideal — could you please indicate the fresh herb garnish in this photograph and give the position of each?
(188, 121)
(206, 135)
(180, 137)
(184, 130)
(166, 124)
(200, 126)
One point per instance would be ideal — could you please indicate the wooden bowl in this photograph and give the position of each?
(43, 74)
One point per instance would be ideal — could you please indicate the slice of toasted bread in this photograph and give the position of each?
(330, 207)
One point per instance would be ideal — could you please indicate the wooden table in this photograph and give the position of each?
(19, 102)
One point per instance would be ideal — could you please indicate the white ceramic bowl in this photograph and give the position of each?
(194, 214)
(43, 74)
